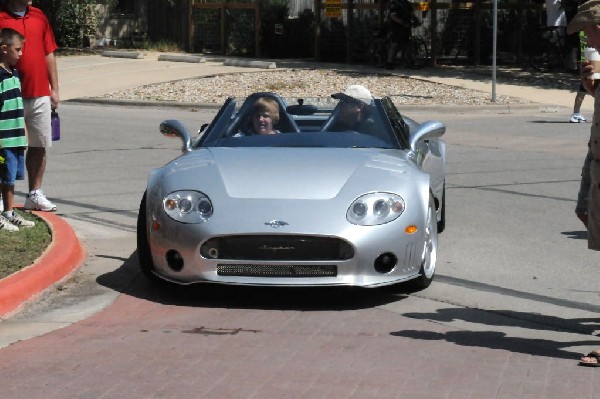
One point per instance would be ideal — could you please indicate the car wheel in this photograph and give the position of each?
(430, 246)
(441, 225)
(143, 248)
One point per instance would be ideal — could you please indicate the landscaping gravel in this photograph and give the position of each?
(292, 83)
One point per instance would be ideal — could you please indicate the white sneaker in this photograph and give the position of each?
(39, 202)
(577, 118)
(19, 221)
(6, 225)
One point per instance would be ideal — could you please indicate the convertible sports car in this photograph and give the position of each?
(305, 207)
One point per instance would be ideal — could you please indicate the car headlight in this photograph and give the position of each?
(375, 208)
(188, 206)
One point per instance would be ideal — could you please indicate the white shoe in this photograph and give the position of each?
(19, 221)
(39, 202)
(577, 118)
(6, 225)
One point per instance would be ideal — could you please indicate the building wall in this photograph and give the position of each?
(121, 28)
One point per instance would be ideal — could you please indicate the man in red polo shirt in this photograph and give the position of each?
(39, 82)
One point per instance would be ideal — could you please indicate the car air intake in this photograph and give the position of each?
(277, 248)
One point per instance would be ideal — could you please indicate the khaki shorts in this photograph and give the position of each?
(594, 207)
(37, 120)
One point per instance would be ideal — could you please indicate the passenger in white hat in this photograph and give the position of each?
(354, 110)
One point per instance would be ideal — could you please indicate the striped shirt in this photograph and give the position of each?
(12, 114)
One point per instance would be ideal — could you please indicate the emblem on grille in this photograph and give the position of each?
(274, 249)
(276, 223)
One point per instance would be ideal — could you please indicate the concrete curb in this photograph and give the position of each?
(122, 54)
(181, 58)
(141, 103)
(64, 255)
(497, 109)
(250, 64)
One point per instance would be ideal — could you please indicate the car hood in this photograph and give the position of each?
(289, 173)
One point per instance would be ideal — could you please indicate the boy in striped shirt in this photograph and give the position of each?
(13, 136)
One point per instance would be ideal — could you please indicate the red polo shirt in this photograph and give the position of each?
(39, 42)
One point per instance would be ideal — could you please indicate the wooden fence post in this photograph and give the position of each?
(318, 30)
(192, 26)
(350, 14)
(477, 40)
(258, 28)
(433, 32)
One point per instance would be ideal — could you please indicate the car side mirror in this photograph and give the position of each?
(428, 130)
(173, 128)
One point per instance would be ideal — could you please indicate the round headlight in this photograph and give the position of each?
(375, 208)
(188, 206)
(381, 208)
(359, 209)
(204, 207)
(185, 205)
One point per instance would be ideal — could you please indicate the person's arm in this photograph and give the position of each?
(53, 76)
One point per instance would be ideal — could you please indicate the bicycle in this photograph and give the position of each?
(552, 50)
(414, 53)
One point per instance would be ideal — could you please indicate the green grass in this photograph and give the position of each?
(161, 46)
(21, 248)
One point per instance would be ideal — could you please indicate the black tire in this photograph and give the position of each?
(441, 225)
(143, 248)
(429, 257)
(377, 53)
(417, 56)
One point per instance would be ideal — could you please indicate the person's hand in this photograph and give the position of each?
(54, 99)
(587, 70)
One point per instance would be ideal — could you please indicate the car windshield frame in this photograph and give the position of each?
(305, 123)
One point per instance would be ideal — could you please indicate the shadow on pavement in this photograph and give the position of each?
(499, 340)
(551, 121)
(576, 235)
(129, 280)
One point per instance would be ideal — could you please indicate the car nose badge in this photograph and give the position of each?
(276, 223)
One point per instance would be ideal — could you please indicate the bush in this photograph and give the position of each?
(73, 21)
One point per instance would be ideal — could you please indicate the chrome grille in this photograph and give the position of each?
(246, 270)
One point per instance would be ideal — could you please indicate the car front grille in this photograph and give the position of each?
(245, 270)
(277, 248)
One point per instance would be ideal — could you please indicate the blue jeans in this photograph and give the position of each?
(14, 165)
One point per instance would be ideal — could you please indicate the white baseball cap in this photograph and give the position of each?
(355, 92)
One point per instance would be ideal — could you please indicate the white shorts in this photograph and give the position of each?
(37, 120)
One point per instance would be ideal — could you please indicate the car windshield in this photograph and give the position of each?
(268, 120)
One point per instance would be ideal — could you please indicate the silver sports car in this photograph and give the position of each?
(305, 207)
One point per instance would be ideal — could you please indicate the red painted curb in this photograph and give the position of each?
(64, 255)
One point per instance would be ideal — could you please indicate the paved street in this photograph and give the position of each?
(514, 304)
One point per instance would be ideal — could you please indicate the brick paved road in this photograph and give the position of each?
(270, 343)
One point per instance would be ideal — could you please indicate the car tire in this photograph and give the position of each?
(429, 256)
(143, 248)
(441, 225)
